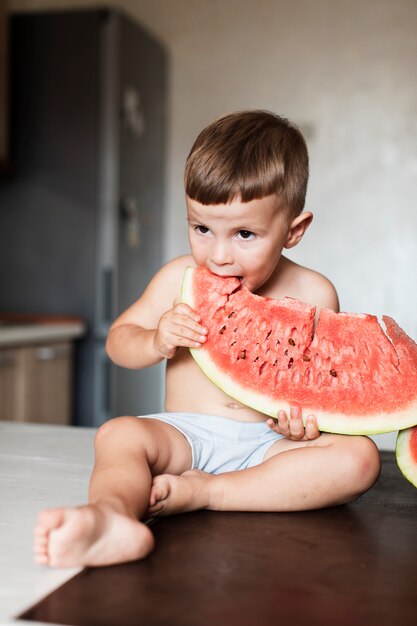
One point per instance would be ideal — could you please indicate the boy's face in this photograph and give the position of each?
(243, 239)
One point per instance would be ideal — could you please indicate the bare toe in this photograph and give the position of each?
(159, 490)
(40, 556)
(48, 520)
(39, 545)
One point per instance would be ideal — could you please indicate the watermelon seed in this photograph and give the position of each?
(257, 359)
(278, 342)
(290, 362)
(291, 341)
(261, 369)
(286, 352)
(333, 373)
(268, 335)
(242, 355)
(232, 344)
(230, 314)
(221, 331)
(235, 330)
(306, 358)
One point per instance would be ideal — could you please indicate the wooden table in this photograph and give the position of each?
(353, 564)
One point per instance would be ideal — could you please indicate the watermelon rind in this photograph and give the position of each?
(405, 461)
(332, 422)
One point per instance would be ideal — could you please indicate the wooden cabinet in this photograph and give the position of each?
(10, 385)
(36, 383)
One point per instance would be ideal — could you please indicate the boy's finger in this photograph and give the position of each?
(312, 429)
(297, 428)
(272, 422)
(187, 337)
(283, 424)
(296, 423)
(295, 412)
(190, 322)
(184, 326)
(184, 309)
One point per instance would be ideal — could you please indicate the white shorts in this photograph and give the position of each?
(219, 444)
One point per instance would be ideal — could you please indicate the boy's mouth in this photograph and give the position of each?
(240, 278)
(228, 275)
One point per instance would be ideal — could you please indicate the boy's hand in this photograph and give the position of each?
(179, 327)
(293, 428)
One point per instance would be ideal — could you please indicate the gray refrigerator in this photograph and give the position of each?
(81, 214)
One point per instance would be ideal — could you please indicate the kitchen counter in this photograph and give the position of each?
(17, 331)
(37, 367)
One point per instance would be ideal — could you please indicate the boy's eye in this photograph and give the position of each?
(246, 235)
(202, 229)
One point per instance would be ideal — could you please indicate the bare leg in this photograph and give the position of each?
(107, 530)
(294, 476)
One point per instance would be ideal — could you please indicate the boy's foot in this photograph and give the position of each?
(89, 536)
(178, 494)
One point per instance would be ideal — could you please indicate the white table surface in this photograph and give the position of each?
(40, 466)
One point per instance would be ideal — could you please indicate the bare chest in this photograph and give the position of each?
(188, 389)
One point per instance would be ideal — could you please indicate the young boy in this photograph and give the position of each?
(245, 182)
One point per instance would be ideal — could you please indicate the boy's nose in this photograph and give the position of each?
(220, 253)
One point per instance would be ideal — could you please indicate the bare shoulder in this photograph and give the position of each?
(321, 291)
(172, 273)
(308, 285)
(159, 296)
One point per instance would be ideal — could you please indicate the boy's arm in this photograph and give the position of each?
(155, 326)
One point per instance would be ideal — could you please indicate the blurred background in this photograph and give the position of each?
(343, 70)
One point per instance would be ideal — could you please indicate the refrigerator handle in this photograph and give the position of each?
(131, 223)
(107, 304)
(104, 385)
(107, 391)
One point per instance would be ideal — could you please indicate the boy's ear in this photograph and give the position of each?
(297, 229)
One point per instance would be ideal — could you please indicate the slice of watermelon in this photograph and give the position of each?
(406, 453)
(352, 376)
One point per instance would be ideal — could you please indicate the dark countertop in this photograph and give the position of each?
(349, 565)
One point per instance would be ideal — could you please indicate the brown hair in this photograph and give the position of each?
(248, 154)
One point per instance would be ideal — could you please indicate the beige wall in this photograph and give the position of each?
(345, 71)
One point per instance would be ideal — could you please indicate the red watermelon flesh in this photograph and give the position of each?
(265, 353)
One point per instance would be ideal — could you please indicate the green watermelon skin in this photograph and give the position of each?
(406, 453)
(353, 377)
